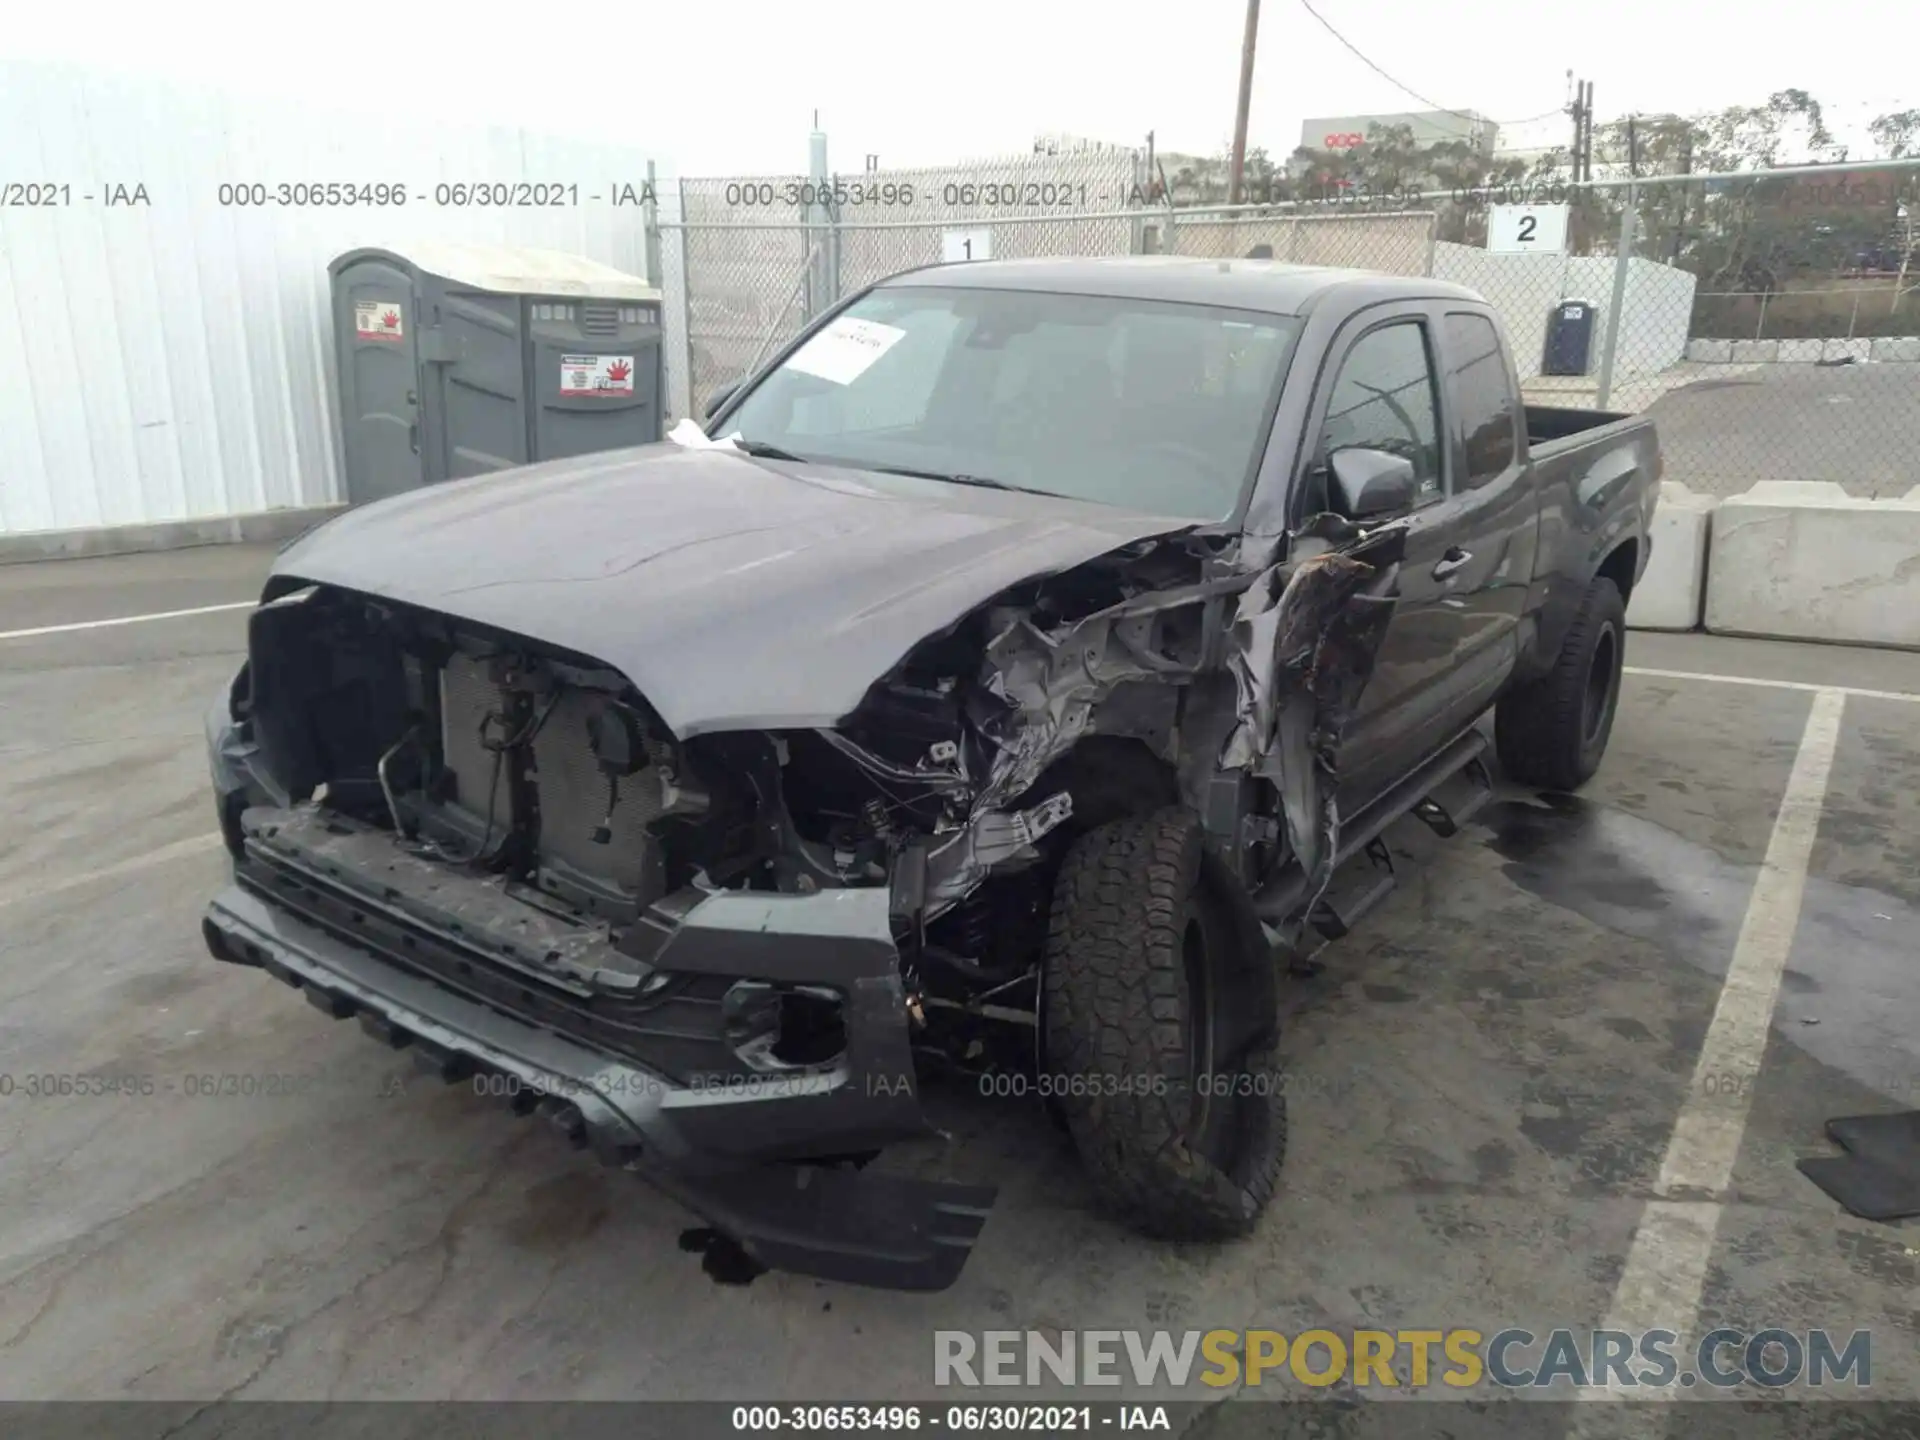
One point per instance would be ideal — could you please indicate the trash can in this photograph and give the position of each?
(457, 360)
(1569, 338)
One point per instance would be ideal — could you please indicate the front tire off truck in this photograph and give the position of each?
(1160, 1031)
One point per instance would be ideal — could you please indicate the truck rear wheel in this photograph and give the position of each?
(1552, 732)
(1160, 1032)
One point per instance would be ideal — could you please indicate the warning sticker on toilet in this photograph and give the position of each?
(596, 375)
(378, 320)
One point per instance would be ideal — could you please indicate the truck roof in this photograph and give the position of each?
(1263, 285)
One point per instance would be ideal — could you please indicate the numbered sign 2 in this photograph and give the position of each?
(1520, 228)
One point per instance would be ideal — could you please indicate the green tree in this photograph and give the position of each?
(1756, 232)
(1391, 169)
(1896, 134)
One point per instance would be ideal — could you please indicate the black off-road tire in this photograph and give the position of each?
(1552, 732)
(1180, 1156)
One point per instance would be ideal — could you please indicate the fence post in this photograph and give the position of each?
(1760, 325)
(1137, 226)
(1629, 216)
(1854, 319)
(650, 229)
(686, 313)
(817, 246)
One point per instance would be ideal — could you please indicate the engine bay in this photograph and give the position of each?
(956, 783)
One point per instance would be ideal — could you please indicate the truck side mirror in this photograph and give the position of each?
(1371, 484)
(717, 399)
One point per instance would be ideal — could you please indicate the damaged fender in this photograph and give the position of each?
(1059, 685)
(1302, 645)
(1304, 642)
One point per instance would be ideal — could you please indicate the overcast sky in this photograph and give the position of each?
(726, 87)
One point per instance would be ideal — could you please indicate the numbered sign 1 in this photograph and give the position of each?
(1513, 228)
(956, 245)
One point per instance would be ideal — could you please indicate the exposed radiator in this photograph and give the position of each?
(466, 695)
(569, 787)
(573, 801)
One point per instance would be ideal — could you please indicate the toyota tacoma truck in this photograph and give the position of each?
(1027, 650)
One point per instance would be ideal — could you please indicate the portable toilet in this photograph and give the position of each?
(1569, 338)
(457, 360)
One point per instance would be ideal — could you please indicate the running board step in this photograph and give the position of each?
(1457, 799)
(1282, 900)
(1350, 897)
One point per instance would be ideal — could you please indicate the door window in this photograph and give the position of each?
(1384, 400)
(1483, 394)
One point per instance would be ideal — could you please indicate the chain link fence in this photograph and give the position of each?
(1770, 322)
(746, 262)
(1802, 359)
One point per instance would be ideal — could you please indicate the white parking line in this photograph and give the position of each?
(1851, 691)
(178, 850)
(1667, 1264)
(124, 620)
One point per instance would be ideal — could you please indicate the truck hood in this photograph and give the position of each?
(734, 593)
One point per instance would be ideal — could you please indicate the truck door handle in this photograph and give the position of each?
(413, 437)
(1453, 560)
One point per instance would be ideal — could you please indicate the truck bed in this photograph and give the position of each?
(1587, 460)
(1549, 424)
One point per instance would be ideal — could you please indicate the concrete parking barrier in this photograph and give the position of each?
(1896, 349)
(1804, 560)
(1887, 350)
(1670, 593)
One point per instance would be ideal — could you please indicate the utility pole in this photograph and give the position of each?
(1239, 163)
(1581, 109)
(1573, 109)
(1686, 200)
(1586, 131)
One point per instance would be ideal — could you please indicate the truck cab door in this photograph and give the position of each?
(1492, 488)
(1381, 391)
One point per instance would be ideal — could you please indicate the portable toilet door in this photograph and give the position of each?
(598, 380)
(376, 322)
(473, 378)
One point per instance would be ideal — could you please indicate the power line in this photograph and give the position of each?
(1361, 56)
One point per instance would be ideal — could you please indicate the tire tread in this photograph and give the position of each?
(1538, 726)
(1115, 998)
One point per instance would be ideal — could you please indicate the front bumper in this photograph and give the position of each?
(727, 1150)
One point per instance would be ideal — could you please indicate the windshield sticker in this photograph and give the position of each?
(845, 349)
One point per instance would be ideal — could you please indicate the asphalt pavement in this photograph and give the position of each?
(1490, 1075)
(1855, 425)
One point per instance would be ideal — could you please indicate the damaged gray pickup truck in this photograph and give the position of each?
(1008, 682)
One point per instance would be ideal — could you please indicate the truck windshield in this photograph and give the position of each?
(1148, 405)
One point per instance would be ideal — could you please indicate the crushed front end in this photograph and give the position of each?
(495, 854)
(729, 958)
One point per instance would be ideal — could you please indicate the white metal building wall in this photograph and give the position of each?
(175, 360)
